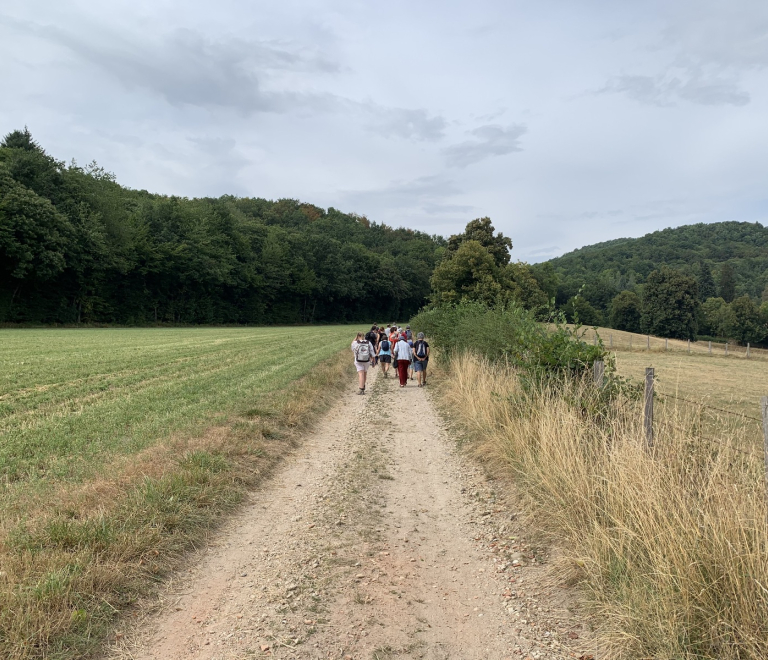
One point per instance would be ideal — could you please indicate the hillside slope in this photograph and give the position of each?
(77, 247)
(626, 262)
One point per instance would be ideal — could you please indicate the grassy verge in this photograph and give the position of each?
(670, 545)
(89, 526)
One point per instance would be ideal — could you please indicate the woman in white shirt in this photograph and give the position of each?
(363, 351)
(403, 354)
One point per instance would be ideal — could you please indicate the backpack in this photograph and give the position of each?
(421, 349)
(372, 337)
(363, 352)
(385, 345)
(408, 334)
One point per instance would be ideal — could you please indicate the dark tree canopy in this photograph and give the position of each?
(670, 304)
(626, 312)
(707, 288)
(75, 246)
(20, 140)
(727, 284)
(476, 267)
(482, 231)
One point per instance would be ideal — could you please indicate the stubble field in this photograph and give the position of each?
(119, 448)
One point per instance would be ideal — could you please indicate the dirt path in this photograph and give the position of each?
(375, 540)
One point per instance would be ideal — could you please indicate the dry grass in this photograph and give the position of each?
(618, 340)
(671, 546)
(67, 570)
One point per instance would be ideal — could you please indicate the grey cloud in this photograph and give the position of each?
(187, 68)
(732, 34)
(427, 193)
(490, 140)
(666, 90)
(404, 123)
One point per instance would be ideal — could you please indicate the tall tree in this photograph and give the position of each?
(707, 288)
(727, 284)
(746, 316)
(470, 273)
(670, 304)
(626, 311)
(482, 231)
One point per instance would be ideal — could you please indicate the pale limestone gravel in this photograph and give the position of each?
(376, 539)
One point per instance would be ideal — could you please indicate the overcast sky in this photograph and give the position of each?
(567, 122)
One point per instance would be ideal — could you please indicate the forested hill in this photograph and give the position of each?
(77, 247)
(624, 263)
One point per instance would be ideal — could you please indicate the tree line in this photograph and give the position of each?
(77, 247)
(696, 281)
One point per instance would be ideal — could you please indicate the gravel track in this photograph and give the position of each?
(376, 539)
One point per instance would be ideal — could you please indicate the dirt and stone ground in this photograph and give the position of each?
(377, 539)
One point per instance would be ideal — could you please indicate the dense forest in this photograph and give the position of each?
(696, 280)
(77, 247)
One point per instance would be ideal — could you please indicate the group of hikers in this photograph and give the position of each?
(391, 345)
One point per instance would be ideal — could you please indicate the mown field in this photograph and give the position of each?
(725, 390)
(120, 447)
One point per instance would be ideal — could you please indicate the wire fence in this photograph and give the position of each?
(627, 341)
(748, 445)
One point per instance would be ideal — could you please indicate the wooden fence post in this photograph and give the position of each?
(764, 406)
(747, 349)
(726, 348)
(648, 342)
(689, 346)
(648, 410)
(610, 340)
(666, 344)
(594, 340)
(599, 372)
(710, 348)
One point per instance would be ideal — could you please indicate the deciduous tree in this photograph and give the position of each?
(670, 304)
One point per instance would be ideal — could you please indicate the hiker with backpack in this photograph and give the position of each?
(413, 359)
(402, 353)
(420, 359)
(373, 337)
(385, 355)
(363, 351)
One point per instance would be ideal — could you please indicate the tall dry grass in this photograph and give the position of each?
(671, 545)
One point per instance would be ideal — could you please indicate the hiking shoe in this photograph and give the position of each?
(361, 391)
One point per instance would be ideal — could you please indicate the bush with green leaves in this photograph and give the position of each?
(512, 334)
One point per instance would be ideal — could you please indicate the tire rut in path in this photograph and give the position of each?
(375, 540)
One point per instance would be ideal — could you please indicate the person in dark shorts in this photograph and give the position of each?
(420, 359)
(385, 355)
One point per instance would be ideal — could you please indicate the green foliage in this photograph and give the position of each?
(670, 304)
(482, 231)
(626, 311)
(476, 267)
(75, 247)
(469, 273)
(716, 318)
(512, 334)
(707, 288)
(726, 287)
(599, 272)
(578, 310)
(746, 321)
(740, 320)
